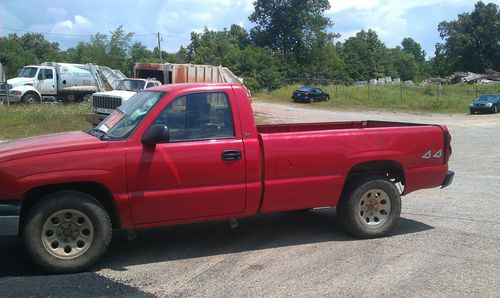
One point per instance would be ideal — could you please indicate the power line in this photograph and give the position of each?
(88, 35)
(45, 33)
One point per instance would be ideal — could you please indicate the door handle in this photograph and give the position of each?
(231, 155)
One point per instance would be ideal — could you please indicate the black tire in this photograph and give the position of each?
(472, 112)
(29, 98)
(39, 216)
(350, 212)
(327, 98)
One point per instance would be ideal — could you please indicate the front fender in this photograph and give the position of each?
(26, 88)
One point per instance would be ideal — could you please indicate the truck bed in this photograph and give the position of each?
(306, 165)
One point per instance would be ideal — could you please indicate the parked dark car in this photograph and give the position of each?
(485, 103)
(309, 94)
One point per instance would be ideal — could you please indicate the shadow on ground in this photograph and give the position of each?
(184, 242)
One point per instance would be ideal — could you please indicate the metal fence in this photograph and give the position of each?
(401, 91)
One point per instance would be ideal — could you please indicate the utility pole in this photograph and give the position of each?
(159, 47)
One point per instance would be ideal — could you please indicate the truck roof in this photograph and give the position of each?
(190, 86)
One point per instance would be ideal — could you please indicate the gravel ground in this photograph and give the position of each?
(446, 243)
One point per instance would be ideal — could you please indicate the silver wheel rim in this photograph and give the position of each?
(374, 208)
(30, 99)
(67, 234)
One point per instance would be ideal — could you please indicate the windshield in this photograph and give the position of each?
(27, 72)
(488, 97)
(126, 118)
(131, 85)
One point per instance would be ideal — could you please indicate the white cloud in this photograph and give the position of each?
(339, 5)
(75, 26)
(389, 18)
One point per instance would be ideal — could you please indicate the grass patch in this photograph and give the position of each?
(431, 98)
(18, 121)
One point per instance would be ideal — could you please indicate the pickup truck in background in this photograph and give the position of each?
(53, 81)
(185, 153)
(165, 73)
(104, 103)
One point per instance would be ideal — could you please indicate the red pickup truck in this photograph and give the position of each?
(192, 152)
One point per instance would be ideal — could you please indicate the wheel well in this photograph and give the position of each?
(392, 169)
(34, 93)
(97, 191)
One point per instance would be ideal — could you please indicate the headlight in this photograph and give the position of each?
(489, 105)
(471, 104)
(15, 93)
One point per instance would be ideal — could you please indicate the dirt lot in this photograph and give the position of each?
(446, 244)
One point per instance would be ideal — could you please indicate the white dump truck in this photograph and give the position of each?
(104, 103)
(53, 81)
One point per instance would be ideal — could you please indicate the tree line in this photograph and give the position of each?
(290, 39)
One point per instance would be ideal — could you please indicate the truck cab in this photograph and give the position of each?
(31, 84)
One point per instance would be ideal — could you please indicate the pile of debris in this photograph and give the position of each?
(489, 77)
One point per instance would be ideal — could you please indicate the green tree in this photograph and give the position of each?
(13, 56)
(118, 48)
(409, 60)
(286, 26)
(366, 57)
(472, 42)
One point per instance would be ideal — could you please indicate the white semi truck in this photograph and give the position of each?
(53, 81)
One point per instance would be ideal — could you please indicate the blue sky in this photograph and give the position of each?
(175, 19)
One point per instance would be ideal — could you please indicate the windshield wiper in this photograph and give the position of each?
(103, 136)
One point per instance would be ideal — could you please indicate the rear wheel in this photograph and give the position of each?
(67, 232)
(370, 207)
(327, 98)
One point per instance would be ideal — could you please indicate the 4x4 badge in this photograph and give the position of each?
(427, 155)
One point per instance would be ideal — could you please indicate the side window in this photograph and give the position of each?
(150, 84)
(198, 116)
(48, 74)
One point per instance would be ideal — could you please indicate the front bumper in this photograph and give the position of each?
(482, 109)
(448, 179)
(9, 219)
(95, 119)
(12, 98)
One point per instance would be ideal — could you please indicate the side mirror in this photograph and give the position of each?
(156, 134)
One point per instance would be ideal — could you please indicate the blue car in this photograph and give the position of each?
(485, 103)
(309, 94)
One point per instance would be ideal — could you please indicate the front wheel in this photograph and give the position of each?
(29, 98)
(67, 232)
(370, 207)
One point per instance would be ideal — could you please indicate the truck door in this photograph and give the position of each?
(200, 173)
(46, 81)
